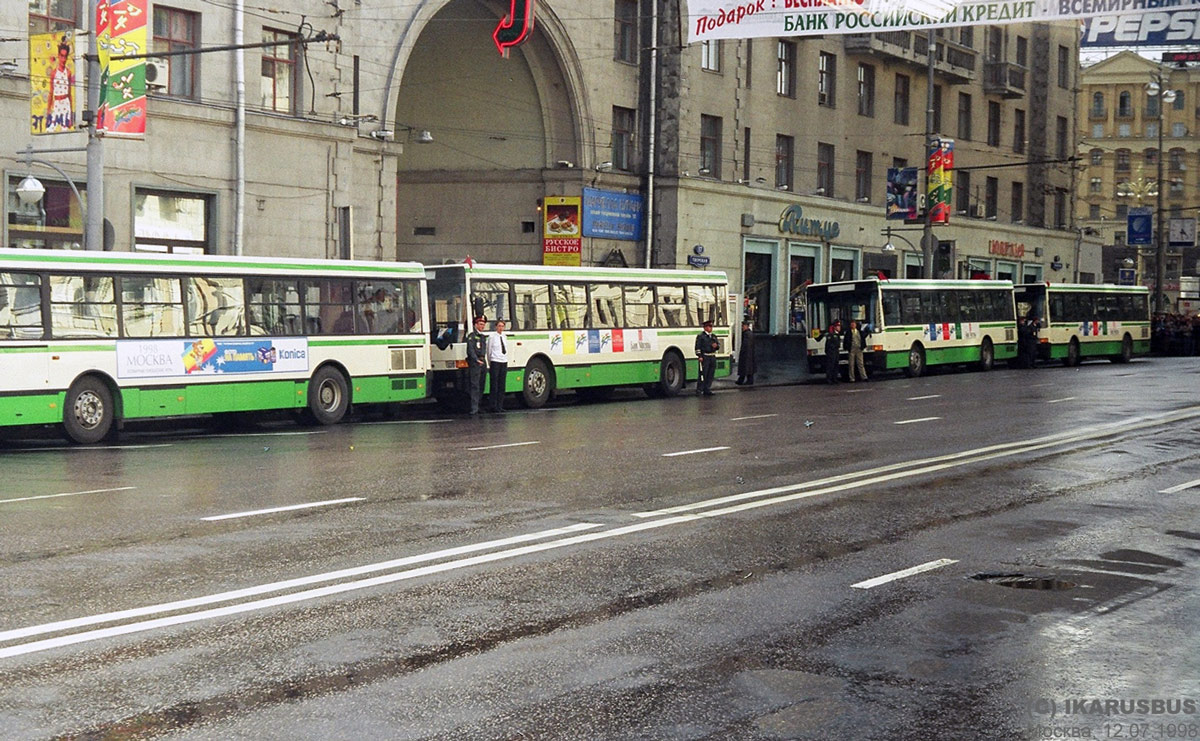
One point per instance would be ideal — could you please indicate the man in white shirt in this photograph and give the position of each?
(497, 354)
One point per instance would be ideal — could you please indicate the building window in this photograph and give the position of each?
(785, 149)
(902, 162)
(1097, 156)
(1122, 163)
(710, 55)
(1094, 211)
(710, 146)
(1060, 208)
(167, 221)
(1097, 110)
(279, 71)
(964, 116)
(1126, 130)
(824, 169)
(903, 92)
(1178, 130)
(862, 177)
(746, 155)
(1150, 156)
(1095, 185)
(1064, 67)
(1125, 105)
(1176, 187)
(178, 30)
(1018, 202)
(785, 69)
(962, 193)
(1178, 104)
(1022, 51)
(1175, 159)
(966, 37)
(53, 15)
(993, 131)
(866, 90)
(54, 222)
(625, 29)
(1151, 130)
(995, 44)
(1152, 106)
(1098, 131)
(749, 63)
(991, 194)
(827, 80)
(1061, 137)
(622, 138)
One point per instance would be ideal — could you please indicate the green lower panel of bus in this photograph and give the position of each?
(613, 374)
(387, 389)
(1103, 348)
(952, 355)
(34, 409)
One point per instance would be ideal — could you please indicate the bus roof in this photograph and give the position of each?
(15, 259)
(917, 284)
(1086, 287)
(559, 272)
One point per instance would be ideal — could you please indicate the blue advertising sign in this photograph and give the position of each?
(612, 215)
(1140, 229)
(902, 193)
(1158, 27)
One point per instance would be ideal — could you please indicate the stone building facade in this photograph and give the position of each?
(409, 137)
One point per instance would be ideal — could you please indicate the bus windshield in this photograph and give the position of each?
(842, 302)
(448, 318)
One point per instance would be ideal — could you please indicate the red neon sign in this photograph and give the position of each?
(509, 33)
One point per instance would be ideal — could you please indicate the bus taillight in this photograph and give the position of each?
(460, 364)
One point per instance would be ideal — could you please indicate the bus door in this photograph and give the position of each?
(448, 320)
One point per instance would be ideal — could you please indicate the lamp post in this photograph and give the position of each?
(30, 190)
(1156, 91)
(1140, 189)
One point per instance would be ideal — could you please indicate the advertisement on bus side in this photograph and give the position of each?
(210, 356)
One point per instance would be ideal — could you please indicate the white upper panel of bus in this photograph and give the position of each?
(556, 272)
(17, 259)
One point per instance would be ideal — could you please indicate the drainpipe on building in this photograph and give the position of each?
(650, 149)
(239, 199)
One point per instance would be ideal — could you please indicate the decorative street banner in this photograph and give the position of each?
(52, 83)
(182, 358)
(121, 29)
(561, 240)
(902, 193)
(939, 180)
(1139, 227)
(742, 19)
(1157, 27)
(612, 215)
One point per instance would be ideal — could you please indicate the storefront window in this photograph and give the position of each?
(803, 273)
(165, 221)
(1031, 273)
(756, 289)
(843, 264)
(1006, 270)
(54, 222)
(912, 265)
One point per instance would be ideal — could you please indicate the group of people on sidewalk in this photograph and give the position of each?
(487, 355)
(853, 340)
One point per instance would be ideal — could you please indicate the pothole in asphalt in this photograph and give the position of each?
(1021, 581)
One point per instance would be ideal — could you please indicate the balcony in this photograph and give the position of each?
(1005, 79)
(955, 63)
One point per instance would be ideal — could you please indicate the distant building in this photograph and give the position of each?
(411, 138)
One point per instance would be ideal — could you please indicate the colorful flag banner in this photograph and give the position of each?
(121, 31)
(939, 180)
(52, 83)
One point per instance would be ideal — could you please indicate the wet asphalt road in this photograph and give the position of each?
(582, 573)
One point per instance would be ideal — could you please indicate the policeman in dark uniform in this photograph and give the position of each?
(476, 362)
(706, 349)
(833, 349)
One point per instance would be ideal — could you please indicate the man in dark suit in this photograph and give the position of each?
(706, 350)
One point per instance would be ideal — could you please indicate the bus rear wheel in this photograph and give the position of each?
(88, 411)
(1072, 358)
(1126, 351)
(538, 384)
(671, 375)
(916, 361)
(987, 355)
(328, 396)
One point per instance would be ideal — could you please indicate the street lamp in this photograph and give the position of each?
(1155, 90)
(30, 190)
(1140, 189)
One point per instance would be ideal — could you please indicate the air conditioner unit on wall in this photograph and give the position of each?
(158, 73)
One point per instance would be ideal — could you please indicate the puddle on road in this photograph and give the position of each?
(1021, 581)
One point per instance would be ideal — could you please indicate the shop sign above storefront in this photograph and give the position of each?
(793, 221)
(1007, 249)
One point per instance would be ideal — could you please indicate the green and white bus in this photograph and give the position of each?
(588, 329)
(1087, 321)
(918, 323)
(90, 339)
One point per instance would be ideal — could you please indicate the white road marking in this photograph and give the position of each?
(693, 452)
(1066, 398)
(858, 391)
(408, 422)
(262, 434)
(914, 421)
(756, 416)
(66, 494)
(211, 599)
(92, 447)
(288, 508)
(920, 398)
(507, 445)
(1181, 487)
(930, 566)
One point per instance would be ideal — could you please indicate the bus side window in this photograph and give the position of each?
(639, 306)
(891, 309)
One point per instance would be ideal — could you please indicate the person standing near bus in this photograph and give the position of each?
(833, 349)
(746, 359)
(497, 355)
(854, 343)
(476, 363)
(706, 350)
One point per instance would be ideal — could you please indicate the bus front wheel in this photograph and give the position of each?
(916, 361)
(1072, 358)
(1126, 351)
(987, 355)
(328, 396)
(538, 384)
(88, 411)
